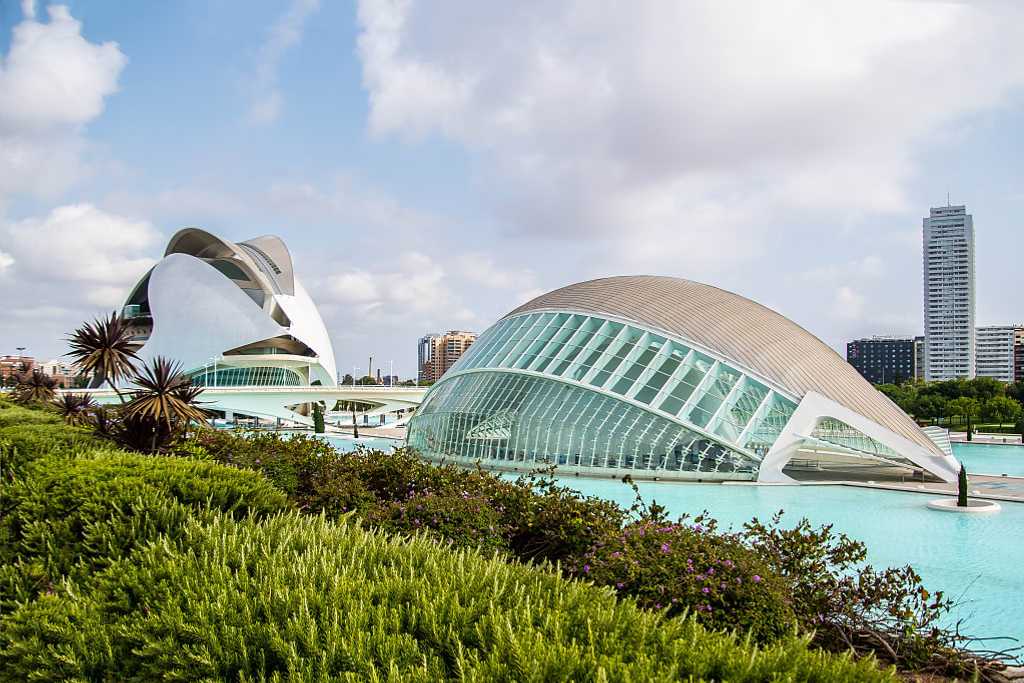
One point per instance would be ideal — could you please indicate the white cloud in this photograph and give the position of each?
(849, 303)
(482, 269)
(285, 34)
(678, 133)
(415, 291)
(52, 82)
(101, 253)
(6, 261)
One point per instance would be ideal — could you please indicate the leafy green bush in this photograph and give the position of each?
(302, 598)
(851, 606)
(680, 567)
(536, 520)
(24, 443)
(72, 519)
(14, 414)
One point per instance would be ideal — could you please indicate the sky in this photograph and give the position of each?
(433, 165)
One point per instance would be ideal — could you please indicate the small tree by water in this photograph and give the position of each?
(961, 496)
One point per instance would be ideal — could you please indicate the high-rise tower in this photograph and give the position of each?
(948, 238)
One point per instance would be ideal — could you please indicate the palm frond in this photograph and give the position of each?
(34, 387)
(103, 348)
(76, 409)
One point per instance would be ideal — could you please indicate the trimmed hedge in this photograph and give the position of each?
(303, 598)
(68, 516)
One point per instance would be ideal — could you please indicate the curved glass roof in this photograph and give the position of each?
(749, 335)
(670, 382)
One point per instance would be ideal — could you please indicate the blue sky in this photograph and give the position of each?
(431, 167)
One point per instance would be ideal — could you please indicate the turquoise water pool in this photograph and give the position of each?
(983, 458)
(346, 444)
(976, 559)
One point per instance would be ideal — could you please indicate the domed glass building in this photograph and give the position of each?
(666, 378)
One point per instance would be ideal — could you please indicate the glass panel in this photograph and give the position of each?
(691, 376)
(527, 421)
(714, 393)
(557, 345)
(576, 345)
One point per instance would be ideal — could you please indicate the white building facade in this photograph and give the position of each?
(233, 315)
(995, 351)
(949, 295)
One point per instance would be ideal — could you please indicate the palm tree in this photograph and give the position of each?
(76, 409)
(102, 348)
(164, 401)
(35, 387)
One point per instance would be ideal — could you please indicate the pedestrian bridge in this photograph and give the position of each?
(278, 402)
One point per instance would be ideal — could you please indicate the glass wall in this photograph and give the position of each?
(248, 377)
(637, 376)
(506, 418)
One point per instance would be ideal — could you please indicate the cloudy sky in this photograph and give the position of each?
(433, 165)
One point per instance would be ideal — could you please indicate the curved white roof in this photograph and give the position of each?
(740, 330)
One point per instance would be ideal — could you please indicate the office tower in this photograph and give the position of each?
(995, 351)
(919, 358)
(438, 352)
(948, 241)
(1018, 356)
(883, 360)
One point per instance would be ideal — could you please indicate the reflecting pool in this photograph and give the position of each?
(984, 458)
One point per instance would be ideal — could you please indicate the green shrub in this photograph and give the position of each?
(679, 567)
(14, 414)
(91, 510)
(468, 520)
(23, 443)
(288, 462)
(305, 599)
(536, 520)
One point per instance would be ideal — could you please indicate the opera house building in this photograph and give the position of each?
(664, 378)
(233, 315)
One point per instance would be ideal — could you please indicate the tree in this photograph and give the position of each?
(366, 380)
(76, 409)
(347, 379)
(318, 418)
(34, 387)
(986, 388)
(966, 408)
(1001, 409)
(102, 348)
(164, 403)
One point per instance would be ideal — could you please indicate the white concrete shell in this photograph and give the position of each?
(232, 314)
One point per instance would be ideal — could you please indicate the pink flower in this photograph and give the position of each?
(664, 547)
(586, 569)
(757, 579)
(705, 590)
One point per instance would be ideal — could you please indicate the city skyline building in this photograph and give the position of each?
(949, 293)
(884, 359)
(437, 353)
(669, 379)
(1018, 356)
(996, 345)
(12, 365)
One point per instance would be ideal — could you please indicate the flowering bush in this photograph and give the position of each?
(685, 567)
